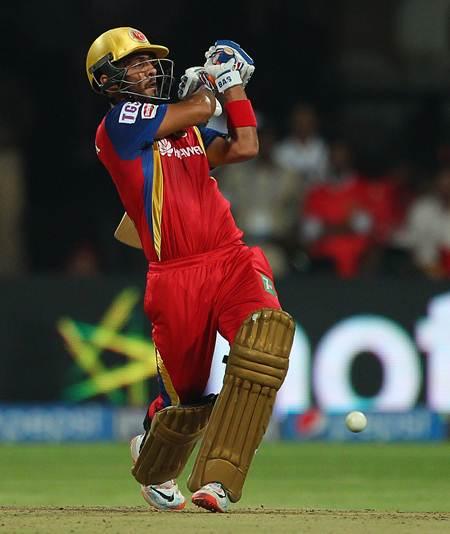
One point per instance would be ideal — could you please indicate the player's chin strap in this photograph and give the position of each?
(256, 368)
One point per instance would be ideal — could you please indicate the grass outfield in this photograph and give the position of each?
(314, 487)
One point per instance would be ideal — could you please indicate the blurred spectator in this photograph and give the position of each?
(304, 151)
(387, 197)
(83, 260)
(426, 232)
(335, 228)
(11, 209)
(264, 199)
(13, 126)
(346, 220)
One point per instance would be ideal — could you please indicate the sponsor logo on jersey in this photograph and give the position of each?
(166, 149)
(149, 111)
(129, 112)
(138, 36)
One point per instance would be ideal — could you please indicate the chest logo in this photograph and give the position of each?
(166, 149)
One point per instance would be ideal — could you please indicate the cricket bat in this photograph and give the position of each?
(126, 232)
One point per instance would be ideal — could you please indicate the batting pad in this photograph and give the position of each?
(173, 434)
(257, 366)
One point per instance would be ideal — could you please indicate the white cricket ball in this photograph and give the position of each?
(356, 421)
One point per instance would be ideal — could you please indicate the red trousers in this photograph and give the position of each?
(189, 300)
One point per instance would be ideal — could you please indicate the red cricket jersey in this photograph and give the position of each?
(164, 184)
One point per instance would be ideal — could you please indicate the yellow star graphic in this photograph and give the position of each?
(87, 342)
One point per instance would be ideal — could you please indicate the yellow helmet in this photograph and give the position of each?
(112, 46)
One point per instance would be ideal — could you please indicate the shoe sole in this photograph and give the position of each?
(208, 502)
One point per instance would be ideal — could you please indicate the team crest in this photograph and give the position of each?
(138, 36)
(149, 111)
(268, 285)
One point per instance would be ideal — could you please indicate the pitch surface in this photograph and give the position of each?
(314, 487)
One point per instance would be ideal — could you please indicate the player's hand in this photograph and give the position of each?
(224, 75)
(192, 79)
(223, 50)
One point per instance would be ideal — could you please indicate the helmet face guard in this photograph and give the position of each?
(117, 83)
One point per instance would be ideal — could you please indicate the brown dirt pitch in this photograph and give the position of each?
(136, 520)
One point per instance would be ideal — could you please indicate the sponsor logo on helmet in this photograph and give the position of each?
(166, 149)
(138, 36)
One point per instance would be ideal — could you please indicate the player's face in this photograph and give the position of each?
(141, 72)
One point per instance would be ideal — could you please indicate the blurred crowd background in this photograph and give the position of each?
(353, 105)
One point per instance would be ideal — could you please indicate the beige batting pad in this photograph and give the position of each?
(257, 366)
(174, 432)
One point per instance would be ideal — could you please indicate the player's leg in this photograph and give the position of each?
(160, 454)
(166, 496)
(261, 336)
(184, 335)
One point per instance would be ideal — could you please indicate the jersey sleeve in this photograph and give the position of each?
(132, 126)
(208, 135)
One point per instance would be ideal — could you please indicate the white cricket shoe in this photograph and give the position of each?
(212, 497)
(166, 496)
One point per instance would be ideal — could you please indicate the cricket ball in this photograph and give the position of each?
(356, 421)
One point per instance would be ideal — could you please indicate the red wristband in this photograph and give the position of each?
(240, 114)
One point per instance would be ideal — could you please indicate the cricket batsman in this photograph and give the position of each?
(202, 278)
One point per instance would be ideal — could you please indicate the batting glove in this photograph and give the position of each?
(223, 50)
(224, 75)
(192, 79)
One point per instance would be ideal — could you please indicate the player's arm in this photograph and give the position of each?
(231, 68)
(241, 143)
(195, 109)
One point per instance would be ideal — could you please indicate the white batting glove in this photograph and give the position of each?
(224, 75)
(223, 50)
(192, 79)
